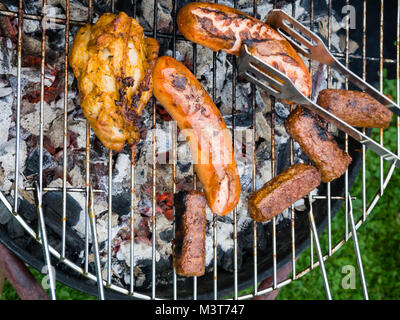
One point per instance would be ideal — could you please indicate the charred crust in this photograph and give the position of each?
(128, 82)
(179, 82)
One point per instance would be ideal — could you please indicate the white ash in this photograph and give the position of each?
(6, 112)
(143, 252)
(5, 55)
(121, 174)
(7, 163)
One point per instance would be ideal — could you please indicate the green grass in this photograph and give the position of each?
(379, 239)
(62, 292)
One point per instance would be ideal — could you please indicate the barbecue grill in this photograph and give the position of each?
(284, 239)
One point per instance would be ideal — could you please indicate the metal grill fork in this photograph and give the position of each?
(280, 86)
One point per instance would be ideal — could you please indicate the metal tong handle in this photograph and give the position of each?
(280, 86)
(311, 46)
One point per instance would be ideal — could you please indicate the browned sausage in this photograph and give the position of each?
(177, 89)
(317, 143)
(223, 28)
(282, 191)
(356, 108)
(190, 233)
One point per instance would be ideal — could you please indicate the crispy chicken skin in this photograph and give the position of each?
(282, 191)
(113, 61)
(184, 98)
(223, 28)
(356, 108)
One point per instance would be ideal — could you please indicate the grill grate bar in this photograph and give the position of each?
(109, 217)
(254, 167)
(18, 109)
(95, 244)
(398, 74)
(65, 162)
(364, 149)
(235, 248)
(132, 229)
(45, 246)
(194, 51)
(132, 211)
(154, 173)
(174, 157)
(381, 90)
(292, 212)
(357, 250)
(87, 180)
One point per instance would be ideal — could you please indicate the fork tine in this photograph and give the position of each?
(283, 22)
(279, 18)
(279, 85)
(263, 85)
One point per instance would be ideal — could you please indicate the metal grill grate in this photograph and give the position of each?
(90, 194)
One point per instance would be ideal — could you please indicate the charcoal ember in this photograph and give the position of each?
(242, 119)
(27, 210)
(51, 205)
(5, 215)
(53, 218)
(283, 156)
(246, 242)
(281, 110)
(32, 163)
(6, 52)
(143, 229)
(164, 18)
(14, 229)
(121, 203)
(144, 207)
(225, 258)
(166, 235)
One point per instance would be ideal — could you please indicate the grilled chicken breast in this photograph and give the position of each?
(113, 61)
(219, 27)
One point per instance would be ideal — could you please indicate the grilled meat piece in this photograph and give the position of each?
(223, 28)
(113, 61)
(317, 143)
(184, 98)
(356, 108)
(190, 233)
(282, 191)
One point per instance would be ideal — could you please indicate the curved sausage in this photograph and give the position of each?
(223, 28)
(356, 108)
(317, 143)
(177, 89)
(282, 191)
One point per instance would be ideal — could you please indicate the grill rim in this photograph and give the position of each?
(349, 185)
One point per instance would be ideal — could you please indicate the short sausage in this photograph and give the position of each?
(356, 108)
(282, 191)
(190, 233)
(317, 143)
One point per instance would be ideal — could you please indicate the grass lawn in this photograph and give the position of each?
(379, 239)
